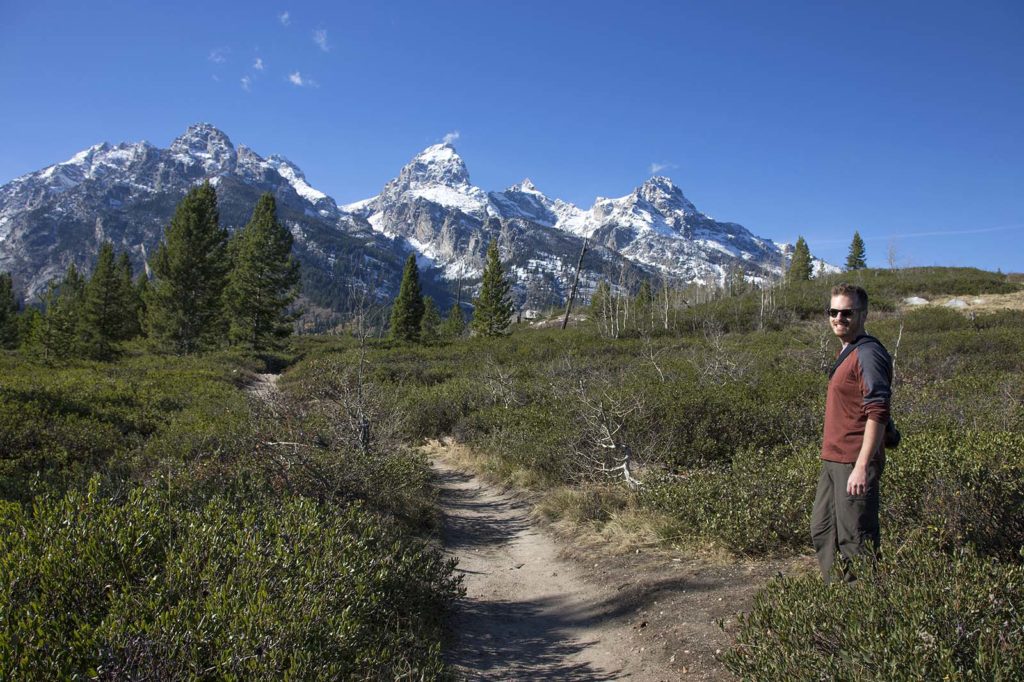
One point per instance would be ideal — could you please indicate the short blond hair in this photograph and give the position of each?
(853, 291)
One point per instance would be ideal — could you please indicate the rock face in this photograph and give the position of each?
(126, 193)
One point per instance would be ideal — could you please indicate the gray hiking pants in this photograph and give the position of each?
(844, 523)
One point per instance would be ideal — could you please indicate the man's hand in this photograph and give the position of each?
(857, 483)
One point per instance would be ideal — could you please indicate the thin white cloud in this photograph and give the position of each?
(657, 167)
(320, 38)
(285, 18)
(451, 137)
(246, 83)
(301, 81)
(219, 56)
(931, 233)
(258, 64)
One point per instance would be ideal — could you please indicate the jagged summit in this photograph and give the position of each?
(663, 194)
(438, 164)
(206, 144)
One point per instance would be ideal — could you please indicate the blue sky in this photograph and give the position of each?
(901, 120)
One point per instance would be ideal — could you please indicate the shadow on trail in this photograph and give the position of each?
(466, 527)
(502, 640)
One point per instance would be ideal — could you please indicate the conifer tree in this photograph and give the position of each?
(184, 305)
(855, 259)
(101, 323)
(644, 307)
(8, 312)
(52, 334)
(800, 265)
(454, 326)
(492, 312)
(407, 310)
(130, 327)
(141, 294)
(430, 325)
(263, 281)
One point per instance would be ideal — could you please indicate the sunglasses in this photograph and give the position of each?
(841, 312)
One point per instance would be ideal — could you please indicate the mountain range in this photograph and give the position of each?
(126, 193)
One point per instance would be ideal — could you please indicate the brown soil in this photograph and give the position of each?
(537, 607)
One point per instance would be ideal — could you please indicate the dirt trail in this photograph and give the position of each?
(264, 386)
(540, 608)
(527, 614)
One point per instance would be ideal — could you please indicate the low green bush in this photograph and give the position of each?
(758, 504)
(965, 487)
(923, 614)
(148, 589)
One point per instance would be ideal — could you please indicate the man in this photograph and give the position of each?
(845, 513)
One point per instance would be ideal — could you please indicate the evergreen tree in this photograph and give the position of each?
(101, 323)
(8, 312)
(493, 309)
(855, 259)
(800, 265)
(430, 325)
(643, 307)
(141, 295)
(737, 281)
(263, 281)
(184, 305)
(52, 334)
(130, 326)
(407, 310)
(454, 326)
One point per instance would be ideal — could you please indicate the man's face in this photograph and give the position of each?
(847, 326)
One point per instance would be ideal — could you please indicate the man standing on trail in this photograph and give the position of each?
(845, 513)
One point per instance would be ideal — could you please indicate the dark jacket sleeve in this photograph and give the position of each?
(876, 381)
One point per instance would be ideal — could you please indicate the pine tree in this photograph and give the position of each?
(643, 307)
(141, 295)
(130, 327)
(430, 325)
(493, 309)
(185, 309)
(800, 265)
(454, 326)
(101, 323)
(263, 281)
(8, 312)
(52, 334)
(855, 259)
(407, 310)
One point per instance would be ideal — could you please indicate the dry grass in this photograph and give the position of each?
(985, 303)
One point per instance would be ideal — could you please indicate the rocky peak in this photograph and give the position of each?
(438, 164)
(206, 144)
(660, 192)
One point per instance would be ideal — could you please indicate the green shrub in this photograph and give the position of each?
(760, 503)
(145, 589)
(923, 614)
(965, 487)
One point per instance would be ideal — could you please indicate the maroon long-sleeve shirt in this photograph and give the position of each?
(860, 389)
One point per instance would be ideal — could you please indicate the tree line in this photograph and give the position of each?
(416, 318)
(204, 289)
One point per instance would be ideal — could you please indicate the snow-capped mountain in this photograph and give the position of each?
(126, 193)
(448, 220)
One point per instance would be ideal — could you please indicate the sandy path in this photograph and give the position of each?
(527, 613)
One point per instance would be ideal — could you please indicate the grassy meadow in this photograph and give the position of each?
(159, 520)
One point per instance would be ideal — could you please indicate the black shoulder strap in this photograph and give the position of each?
(859, 341)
